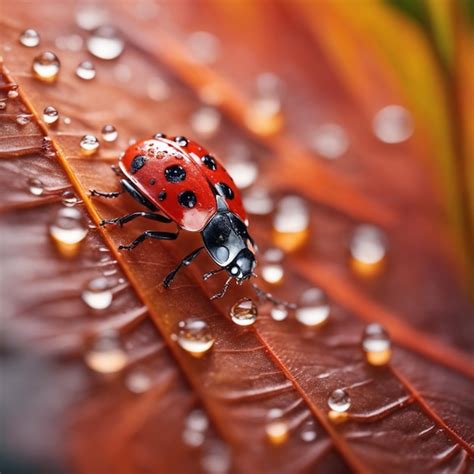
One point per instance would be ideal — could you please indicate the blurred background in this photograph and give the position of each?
(347, 125)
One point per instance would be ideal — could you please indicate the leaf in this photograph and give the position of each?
(419, 404)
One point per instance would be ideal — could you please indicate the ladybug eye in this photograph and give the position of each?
(175, 174)
(225, 191)
(187, 199)
(210, 162)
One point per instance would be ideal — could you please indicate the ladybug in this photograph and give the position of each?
(178, 181)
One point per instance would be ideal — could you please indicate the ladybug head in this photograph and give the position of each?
(242, 266)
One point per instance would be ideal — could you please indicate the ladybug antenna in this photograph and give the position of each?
(224, 289)
(268, 297)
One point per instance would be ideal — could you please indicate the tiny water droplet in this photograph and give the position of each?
(272, 269)
(67, 121)
(86, 70)
(313, 307)
(98, 294)
(291, 223)
(244, 312)
(376, 345)
(35, 186)
(206, 121)
(46, 66)
(68, 229)
(50, 115)
(69, 199)
(393, 124)
(197, 420)
(89, 144)
(109, 133)
(203, 47)
(339, 401)
(106, 354)
(3, 105)
(138, 381)
(308, 431)
(276, 427)
(30, 38)
(195, 336)
(105, 43)
(13, 92)
(23, 119)
(279, 313)
(257, 201)
(330, 141)
(368, 248)
(241, 167)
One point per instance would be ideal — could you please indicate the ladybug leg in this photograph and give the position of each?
(130, 217)
(223, 291)
(184, 263)
(208, 275)
(150, 234)
(116, 170)
(111, 195)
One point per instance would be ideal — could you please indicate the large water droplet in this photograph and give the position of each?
(105, 43)
(244, 312)
(50, 115)
(257, 201)
(30, 38)
(89, 144)
(330, 141)
(109, 133)
(393, 124)
(35, 186)
(206, 121)
(291, 223)
(46, 66)
(98, 294)
(195, 336)
(106, 354)
(203, 47)
(339, 402)
(86, 70)
(368, 247)
(376, 345)
(272, 269)
(68, 230)
(68, 198)
(313, 307)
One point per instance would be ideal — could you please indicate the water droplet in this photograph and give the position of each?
(291, 223)
(330, 141)
(13, 92)
(241, 167)
(50, 115)
(393, 124)
(271, 269)
(244, 312)
(89, 144)
(138, 381)
(216, 458)
(23, 119)
(46, 66)
(105, 43)
(67, 121)
(339, 402)
(195, 336)
(197, 420)
(313, 307)
(86, 70)
(193, 438)
(109, 133)
(203, 47)
(3, 105)
(35, 186)
(106, 354)
(257, 201)
(68, 230)
(69, 199)
(157, 89)
(30, 38)
(308, 431)
(368, 248)
(376, 345)
(98, 294)
(276, 428)
(205, 121)
(90, 16)
(279, 313)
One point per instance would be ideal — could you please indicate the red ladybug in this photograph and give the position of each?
(179, 182)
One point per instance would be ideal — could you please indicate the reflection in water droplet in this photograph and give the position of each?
(279, 313)
(241, 167)
(89, 144)
(272, 269)
(23, 119)
(216, 458)
(244, 312)
(98, 294)
(308, 431)
(157, 89)
(35, 186)
(138, 381)
(46, 66)
(90, 16)
(68, 230)
(50, 115)
(291, 223)
(376, 345)
(205, 121)
(368, 247)
(109, 133)
(313, 307)
(276, 427)
(339, 400)
(106, 354)
(203, 47)
(393, 124)
(330, 141)
(30, 38)
(195, 336)
(105, 43)
(86, 70)
(69, 199)
(257, 201)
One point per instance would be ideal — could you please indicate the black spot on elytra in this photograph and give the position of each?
(152, 181)
(175, 174)
(162, 195)
(137, 163)
(210, 162)
(181, 141)
(225, 190)
(187, 199)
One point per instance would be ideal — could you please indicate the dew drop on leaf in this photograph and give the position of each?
(257, 201)
(138, 381)
(308, 431)
(109, 133)
(339, 400)
(376, 344)
(68, 229)
(276, 428)
(272, 268)
(98, 294)
(241, 167)
(244, 312)
(206, 121)
(393, 124)
(69, 199)
(35, 186)
(30, 38)
(195, 336)
(86, 70)
(46, 66)
(279, 313)
(89, 144)
(106, 354)
(105, 43)
(50, 115)
(313, 307)
(330, 141)
(368, 248)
